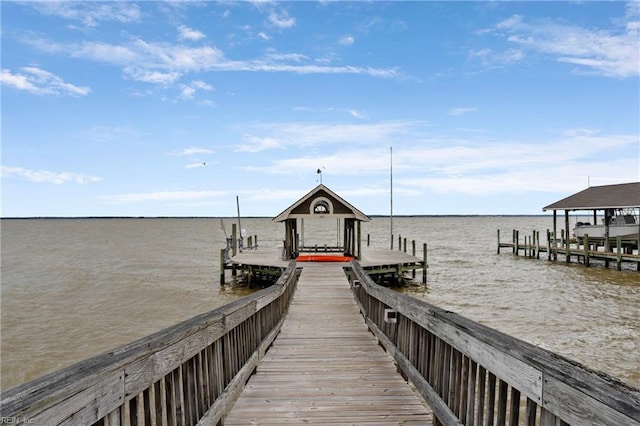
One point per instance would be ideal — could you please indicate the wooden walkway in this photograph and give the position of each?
(325, 366)
(272, 257)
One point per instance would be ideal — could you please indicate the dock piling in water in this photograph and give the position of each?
(586, 251)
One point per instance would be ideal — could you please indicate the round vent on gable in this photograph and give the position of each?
(321, 206)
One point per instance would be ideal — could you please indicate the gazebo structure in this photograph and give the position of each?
(322, 203)
(618, 203)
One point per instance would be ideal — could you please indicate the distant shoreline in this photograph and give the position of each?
(260, 217)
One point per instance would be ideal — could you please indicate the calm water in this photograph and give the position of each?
(75, 288)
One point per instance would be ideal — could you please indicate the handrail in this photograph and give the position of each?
(186, 374)
(471, 374)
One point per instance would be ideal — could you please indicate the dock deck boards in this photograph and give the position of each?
(370, 257)
(325, 366)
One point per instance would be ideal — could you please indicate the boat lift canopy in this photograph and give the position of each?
(607, 198)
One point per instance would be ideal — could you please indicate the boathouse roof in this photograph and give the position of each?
(620, 196)
(320, 202)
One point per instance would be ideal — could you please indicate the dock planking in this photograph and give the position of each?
(370, 258)
(325, 366)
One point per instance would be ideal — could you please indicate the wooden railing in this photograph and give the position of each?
(473, 375)
(189, 373)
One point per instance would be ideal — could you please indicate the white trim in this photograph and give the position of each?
(315, 202)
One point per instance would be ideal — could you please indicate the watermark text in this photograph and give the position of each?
(16, 421)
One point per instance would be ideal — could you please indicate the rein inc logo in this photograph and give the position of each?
(16, 421)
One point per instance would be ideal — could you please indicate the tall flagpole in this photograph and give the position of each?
(391, 192)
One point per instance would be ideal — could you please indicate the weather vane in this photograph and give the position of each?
(320, 173)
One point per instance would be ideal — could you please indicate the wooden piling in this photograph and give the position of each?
(413, 253)
(587, 259)
(222, 265)
(618, 253)
(234, 244)
(424, 263)
(567, 246)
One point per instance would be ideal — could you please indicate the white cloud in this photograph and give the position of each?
(490, 57)
(346, 40)
(109, 134)
(483, 167)
(163, 196)
(477, 166)
(462, 110)
(285, 57)
(276, 135)
(256, 144)
(186, 33)
(177, 57)
(187, 91)
(568, 177)
(192, 150)
(46, 176)
(357, 114)
(166, 63)
(514, 21)
(339, 163)
(40, 82)
(281, 19)
(611, 52)
(271, 194)
(153, 77)
(195, 165)
(90, 13)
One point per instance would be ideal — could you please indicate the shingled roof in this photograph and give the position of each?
(620, 196)
(338, 206)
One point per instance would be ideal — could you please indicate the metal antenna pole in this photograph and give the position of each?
(391, 193)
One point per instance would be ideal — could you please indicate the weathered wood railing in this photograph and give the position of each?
(189, 373)
(473, 375)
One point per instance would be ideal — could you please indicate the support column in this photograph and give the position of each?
(359, 240)
(567, 236)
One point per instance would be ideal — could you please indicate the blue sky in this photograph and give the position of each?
(174, 109)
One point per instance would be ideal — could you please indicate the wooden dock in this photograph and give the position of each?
(374, 261)
(300, 352)
(309, 349)
(325, 366)
(579, 251)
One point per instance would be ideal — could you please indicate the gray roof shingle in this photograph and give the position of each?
(620, 196)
